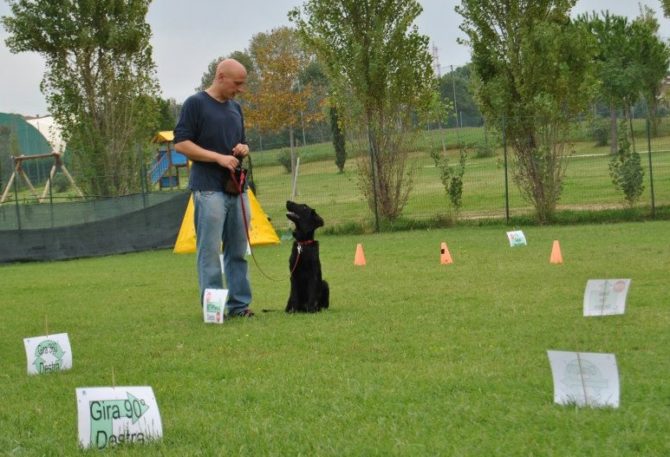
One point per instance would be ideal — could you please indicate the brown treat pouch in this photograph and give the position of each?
(235, 183)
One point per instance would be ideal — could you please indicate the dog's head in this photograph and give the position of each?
(306, 220)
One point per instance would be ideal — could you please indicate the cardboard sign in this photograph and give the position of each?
(109, 416)
(46, 354)
(214, 305)
(603, 297)
(585, 378)
(516, 238)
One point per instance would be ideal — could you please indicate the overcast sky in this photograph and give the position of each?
(188, 35)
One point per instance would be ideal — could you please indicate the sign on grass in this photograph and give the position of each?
(604, 297)
(584, 378)
(108, 416)
(214, 305)
(516, 238)
(49, 353)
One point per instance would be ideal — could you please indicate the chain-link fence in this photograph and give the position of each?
(488, 190)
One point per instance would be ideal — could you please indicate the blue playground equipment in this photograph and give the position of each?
(165, 168)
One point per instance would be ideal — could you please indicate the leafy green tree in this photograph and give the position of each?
(167, 113)
(99, 82)
(626, 169)
(666, 7)
(533, 74)
(381, 71)
(451, 176)
(652, 58)
(339, 141)
(616, 68)
(241, 56)
(631, 62)
(458, 82)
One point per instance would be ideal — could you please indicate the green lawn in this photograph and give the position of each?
(414, 357)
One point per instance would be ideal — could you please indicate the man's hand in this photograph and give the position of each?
(226, 161)
(241, 150)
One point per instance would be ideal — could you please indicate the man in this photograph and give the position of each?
(210, 132)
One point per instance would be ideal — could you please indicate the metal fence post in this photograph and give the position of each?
(504, 132)
(651, 170)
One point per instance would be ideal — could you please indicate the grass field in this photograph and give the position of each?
(414, 358)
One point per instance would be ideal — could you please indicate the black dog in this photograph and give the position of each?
(309, 292)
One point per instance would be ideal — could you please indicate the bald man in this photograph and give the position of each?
(210, 132)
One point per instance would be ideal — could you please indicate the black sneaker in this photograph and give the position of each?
(246, 313)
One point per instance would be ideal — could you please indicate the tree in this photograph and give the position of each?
(464, 103)
(652, 58)
(208, 76)
(631, 61)
(533, 73)
(99, 83)
(339, 141)
(666, 7)
(167, 113)
(626, 170)
(382, 76)
(279, 100)
(615, 65)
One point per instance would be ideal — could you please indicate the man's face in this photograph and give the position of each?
(233, 84)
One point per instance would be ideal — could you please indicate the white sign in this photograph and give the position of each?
(604, 297)
(214, 305)
(584, 378)
(49, 353)
(108, 416)
(516, 238)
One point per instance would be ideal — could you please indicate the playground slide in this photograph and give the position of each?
(160, 167)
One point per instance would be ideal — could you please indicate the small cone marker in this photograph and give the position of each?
(445, 256)
(360, 257)
(556, 256)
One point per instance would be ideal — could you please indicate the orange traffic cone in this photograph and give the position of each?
(360, 257)
(556, 256)
(445, 256)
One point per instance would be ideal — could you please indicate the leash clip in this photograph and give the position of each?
(299, 248)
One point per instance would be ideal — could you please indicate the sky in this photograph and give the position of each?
(188, 35)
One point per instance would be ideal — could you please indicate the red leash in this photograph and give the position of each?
(239, 184)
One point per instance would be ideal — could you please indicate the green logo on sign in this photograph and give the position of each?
(48, 356)
(103, 414)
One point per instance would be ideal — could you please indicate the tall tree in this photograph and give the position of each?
(666, 7)
(382, 75)
(533, 72)
(99, 82)
(279, 99)
(615, 65)
(653, 59)
(455, 89)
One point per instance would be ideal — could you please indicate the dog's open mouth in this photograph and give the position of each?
(293, 217)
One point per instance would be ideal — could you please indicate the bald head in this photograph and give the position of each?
(229, 80)
(230, 68)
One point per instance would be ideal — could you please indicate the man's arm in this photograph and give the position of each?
(199, 154)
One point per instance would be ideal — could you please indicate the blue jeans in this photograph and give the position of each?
(218, 218)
